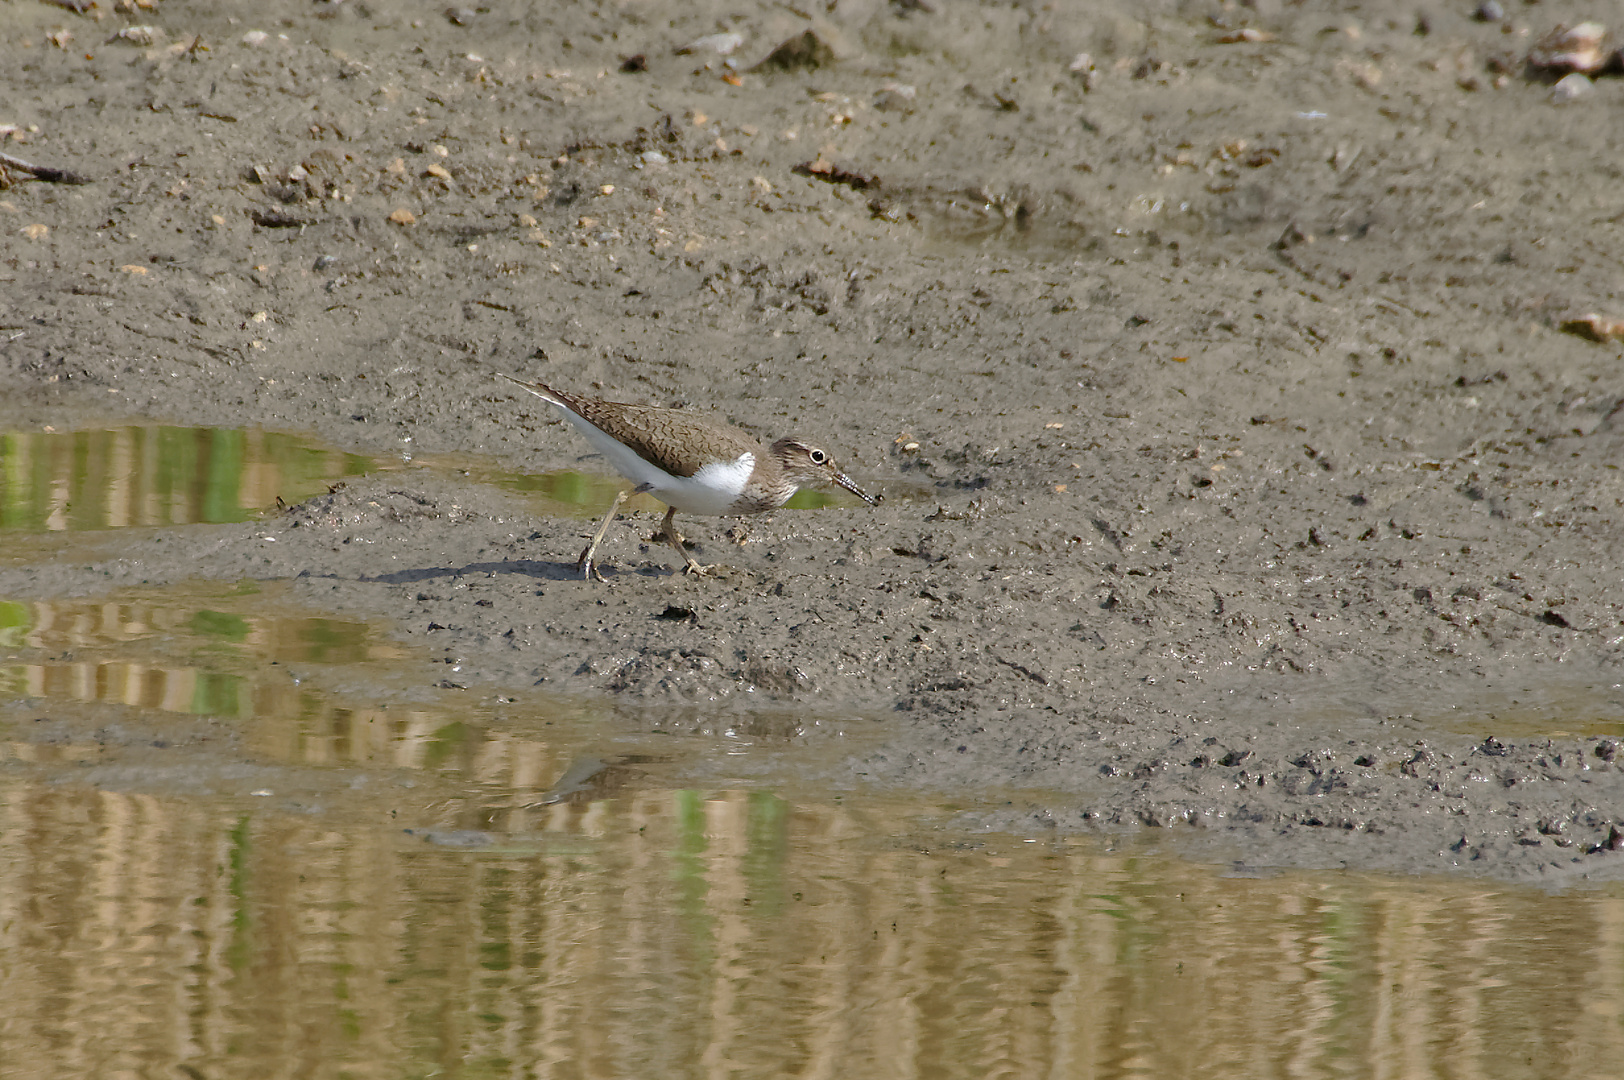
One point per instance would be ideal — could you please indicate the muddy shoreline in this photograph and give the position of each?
(1240, 481)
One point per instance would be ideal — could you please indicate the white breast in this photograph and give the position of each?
(711, 490)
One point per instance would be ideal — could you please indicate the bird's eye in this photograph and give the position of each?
(818, 456)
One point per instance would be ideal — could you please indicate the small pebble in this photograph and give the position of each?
(1595, 327)
(721, 44)
(1584, 49)
(324, 262)
(1489, 11)
(1569, 88)
(1082, 66)
(895, 97)
(137, 35)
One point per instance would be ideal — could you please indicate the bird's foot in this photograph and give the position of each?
(589, 569)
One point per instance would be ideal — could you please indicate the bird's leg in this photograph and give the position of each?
(675, 538)
(590, 571)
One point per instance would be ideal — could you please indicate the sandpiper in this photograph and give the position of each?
(690, 463)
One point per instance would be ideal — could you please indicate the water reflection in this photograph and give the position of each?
(466, 887)
(156, 475)
(1559, 706)
(214, 657)
(680, 932)
(286, 680)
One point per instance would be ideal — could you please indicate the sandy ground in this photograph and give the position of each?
(1239, 478)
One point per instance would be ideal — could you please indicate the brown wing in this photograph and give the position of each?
(673, 439)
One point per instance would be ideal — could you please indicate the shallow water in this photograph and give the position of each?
(158, 475)
(219, 853)
(674, 932)
(238, 837)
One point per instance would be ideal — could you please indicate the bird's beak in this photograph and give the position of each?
(851, 485)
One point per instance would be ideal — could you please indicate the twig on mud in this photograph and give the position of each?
(42, 172)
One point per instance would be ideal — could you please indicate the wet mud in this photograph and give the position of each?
(1241, 478)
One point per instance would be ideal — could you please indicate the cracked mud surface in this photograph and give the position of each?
(1239, 479)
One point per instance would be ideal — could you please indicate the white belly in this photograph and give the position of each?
(710, 491)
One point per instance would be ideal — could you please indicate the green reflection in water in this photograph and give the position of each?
(14, 623)
(218, 694)
(444, 744)
(688, 870)
(768, 852)
(175, 653)
(217, 624)
(240, 949)
(156, 475)
(656, 929)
